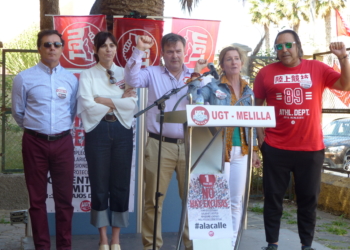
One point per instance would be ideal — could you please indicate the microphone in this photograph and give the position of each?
(213, 71)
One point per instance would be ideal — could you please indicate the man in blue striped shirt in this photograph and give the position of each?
(44, 105)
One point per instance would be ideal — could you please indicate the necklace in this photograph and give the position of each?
(174, 77)
(178, 74)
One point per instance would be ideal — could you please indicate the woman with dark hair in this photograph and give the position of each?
(227, 90)
(106, 106)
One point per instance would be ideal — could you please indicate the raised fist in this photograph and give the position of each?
(144, 43)
(338, 49)
(200, 65)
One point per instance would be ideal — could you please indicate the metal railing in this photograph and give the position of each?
(11, 135)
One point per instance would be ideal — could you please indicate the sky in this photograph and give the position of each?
(235, 24)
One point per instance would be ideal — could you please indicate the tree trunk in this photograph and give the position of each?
(267, 38)
(124, 7)
(328, 27)
(296, 27)
(254, 53)
(48, 7)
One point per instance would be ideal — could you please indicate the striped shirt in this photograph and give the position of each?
(44, 102)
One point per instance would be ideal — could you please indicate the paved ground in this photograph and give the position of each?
(13, 237)
(327, 225)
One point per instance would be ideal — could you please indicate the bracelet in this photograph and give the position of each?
(343, 57)
(195, 74)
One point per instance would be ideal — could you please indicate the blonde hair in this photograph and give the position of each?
(223, 53)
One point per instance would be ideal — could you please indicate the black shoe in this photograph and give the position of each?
(269, 248)
(308, 248)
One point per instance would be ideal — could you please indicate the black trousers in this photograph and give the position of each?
(306, 167)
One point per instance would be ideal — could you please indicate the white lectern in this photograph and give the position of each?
(204, 134)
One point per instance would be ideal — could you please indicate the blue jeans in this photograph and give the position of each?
(108, 151)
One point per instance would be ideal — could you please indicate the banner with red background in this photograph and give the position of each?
(78, 33)
(126, 30)
(342, 27)
(344, 96)
(201, 37)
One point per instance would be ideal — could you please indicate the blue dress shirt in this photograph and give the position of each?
(44, 101)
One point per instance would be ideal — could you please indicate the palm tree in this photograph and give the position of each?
(263, 12)
(48, 7)
(323, 9)
(125, 7)
(293, 11)
(145, 8)
(113, 7)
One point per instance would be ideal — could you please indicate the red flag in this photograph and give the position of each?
(127, 30)
(200, 35)
(344, 96)
(342, 27)
(78, 32)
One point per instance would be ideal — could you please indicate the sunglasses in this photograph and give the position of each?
(112, 80)
(56, 44)
(287, 45)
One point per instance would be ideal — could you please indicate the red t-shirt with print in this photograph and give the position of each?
(296, 94)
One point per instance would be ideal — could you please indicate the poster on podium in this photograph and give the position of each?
(209, 207)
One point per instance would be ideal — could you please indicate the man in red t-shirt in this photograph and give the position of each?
(294, 86)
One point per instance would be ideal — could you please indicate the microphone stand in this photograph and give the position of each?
(160, 103)
(178, 102)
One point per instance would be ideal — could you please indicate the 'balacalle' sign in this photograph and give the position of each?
(220, 115)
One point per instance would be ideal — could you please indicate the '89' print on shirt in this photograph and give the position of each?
(297, 95)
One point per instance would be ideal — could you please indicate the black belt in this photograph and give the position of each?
(166, 139)
(47, 137)
(109, 118)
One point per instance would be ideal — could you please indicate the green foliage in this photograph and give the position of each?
(259, 61)
(286, 215)
(257, 209)
(256, 189)
(341, 222)
(17, 62)
(291, 221)
(9, 126)
(336, 230)
(13, 133)
(337, 227)
(7, 94)
(294, 11)
(323, 8)
(4, 221)
(263, 12)
(335, 247)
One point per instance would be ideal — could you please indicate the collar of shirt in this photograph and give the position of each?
(185, 71)
(99, 66)
(46, 69)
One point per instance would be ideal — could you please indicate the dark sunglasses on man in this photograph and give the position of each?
(287, 45)
(49, 44)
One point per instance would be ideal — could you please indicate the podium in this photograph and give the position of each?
(205, 142)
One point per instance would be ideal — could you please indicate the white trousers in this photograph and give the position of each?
(237, 174)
